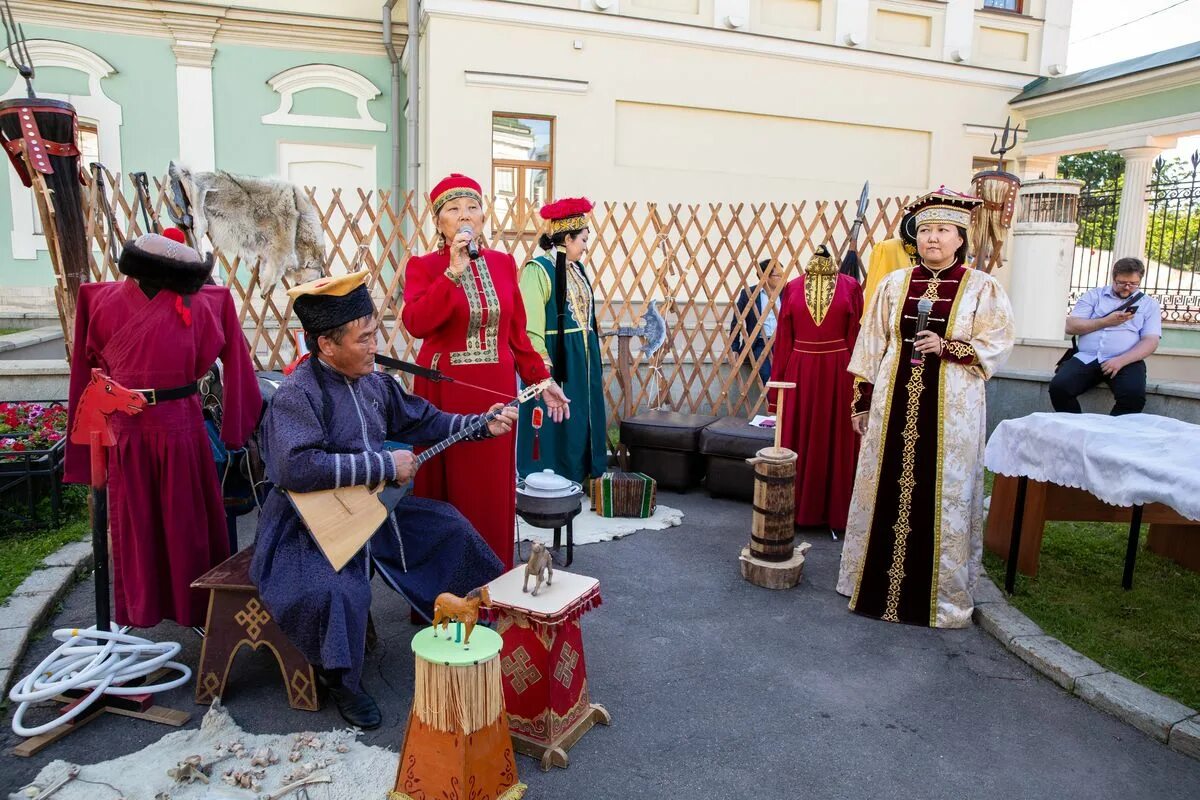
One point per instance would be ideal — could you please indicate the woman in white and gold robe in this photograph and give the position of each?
(914, 536)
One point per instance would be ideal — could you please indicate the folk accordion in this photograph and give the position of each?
(624, 494)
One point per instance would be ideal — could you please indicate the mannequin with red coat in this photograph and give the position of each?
(158, 332)
(818, 325)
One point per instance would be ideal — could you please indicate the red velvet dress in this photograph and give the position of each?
(165, 509)
(473, 332)
(816, 414)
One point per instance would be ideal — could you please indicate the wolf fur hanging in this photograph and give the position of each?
(264, 219)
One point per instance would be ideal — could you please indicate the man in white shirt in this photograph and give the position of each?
(1113, 342)
(745, 326)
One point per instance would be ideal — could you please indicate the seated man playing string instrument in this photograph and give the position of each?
(325, 429)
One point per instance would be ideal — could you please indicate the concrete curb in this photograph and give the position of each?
(1171, 723)
(33, 602)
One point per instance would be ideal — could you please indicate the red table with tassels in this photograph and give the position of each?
(545, 675)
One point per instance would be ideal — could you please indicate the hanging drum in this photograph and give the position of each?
(41, 135)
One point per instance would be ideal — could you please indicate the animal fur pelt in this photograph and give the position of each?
(264, 219)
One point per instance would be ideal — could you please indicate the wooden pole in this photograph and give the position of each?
(780, 387)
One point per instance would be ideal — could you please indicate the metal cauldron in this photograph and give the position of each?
(547, 500)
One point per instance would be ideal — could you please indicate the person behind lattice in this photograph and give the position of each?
(760, 302)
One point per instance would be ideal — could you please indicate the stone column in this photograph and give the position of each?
(1132, 221)
(1043, 253)
(194, 53)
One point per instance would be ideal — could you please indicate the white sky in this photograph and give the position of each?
(1105, 31)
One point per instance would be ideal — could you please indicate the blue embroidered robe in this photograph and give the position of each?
(425, 548)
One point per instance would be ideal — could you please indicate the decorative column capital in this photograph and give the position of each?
(1145, 154)
(193, 39)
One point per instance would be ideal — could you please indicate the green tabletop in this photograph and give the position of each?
(485, 645)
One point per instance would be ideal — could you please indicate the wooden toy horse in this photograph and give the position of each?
(101, 398)
(448, 607)
(540, 567)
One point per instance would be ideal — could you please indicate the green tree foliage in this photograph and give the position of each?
(1102, 169)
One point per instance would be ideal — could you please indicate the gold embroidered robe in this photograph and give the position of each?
(915, 529)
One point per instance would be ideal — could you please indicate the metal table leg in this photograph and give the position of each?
(1135, 531)
(1014, 545)
(570, 542)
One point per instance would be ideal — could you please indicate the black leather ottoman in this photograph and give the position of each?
(726, 444)
(666, 446)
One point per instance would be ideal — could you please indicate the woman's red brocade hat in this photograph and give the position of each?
(568, 214)
(453, 187)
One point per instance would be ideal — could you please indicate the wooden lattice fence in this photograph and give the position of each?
(693, 259)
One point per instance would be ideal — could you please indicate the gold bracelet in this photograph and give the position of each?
(455, 277)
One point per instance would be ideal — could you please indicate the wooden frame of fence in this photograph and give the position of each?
(692, 258)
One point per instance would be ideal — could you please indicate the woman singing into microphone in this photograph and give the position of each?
(470, 317)
(914, 536)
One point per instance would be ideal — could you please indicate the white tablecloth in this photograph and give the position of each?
(1125, 461)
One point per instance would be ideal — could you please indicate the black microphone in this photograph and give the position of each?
(472, 245)
(924, 306)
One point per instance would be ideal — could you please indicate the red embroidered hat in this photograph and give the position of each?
(568, 214)
(453, 187)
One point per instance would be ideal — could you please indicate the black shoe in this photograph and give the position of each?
(357, 708)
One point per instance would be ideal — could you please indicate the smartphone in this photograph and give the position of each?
(1132, 309)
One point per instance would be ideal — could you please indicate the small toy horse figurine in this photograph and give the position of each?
(448, 607)
(539, 563)
(101, 398)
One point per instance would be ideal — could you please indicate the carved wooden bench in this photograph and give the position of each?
(237, 617)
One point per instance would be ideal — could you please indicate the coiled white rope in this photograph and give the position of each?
(99, 662)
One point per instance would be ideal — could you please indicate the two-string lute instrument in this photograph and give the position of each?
(342, 520)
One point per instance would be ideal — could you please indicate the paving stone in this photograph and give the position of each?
(6, 675)
(986, 592)
(1005, 622)
(26, 610)
(1054, 659)
(72, 555)
(1185, 737)
(51, 580)
(1142, 708)
(12, 646)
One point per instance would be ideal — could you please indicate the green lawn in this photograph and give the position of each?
(1150, 634)
(7, 331)
(22, 551)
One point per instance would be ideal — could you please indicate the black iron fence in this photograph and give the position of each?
(1172, 242)
(1094, 242)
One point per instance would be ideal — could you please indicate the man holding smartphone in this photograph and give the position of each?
(1118, 327)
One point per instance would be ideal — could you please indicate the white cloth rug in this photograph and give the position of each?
(591, 527)
(360, 772)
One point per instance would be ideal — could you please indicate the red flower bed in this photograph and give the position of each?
(26, 427)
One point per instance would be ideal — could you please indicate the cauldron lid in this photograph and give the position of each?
(547, 481)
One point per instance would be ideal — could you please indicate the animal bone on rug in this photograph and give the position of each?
(264, 219)
(220, 761)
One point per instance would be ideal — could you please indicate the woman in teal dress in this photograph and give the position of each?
(561, 320)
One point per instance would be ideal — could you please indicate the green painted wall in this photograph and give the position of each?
(245, 144)
(144, 86)
(1180, 339)
(1145, 108)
